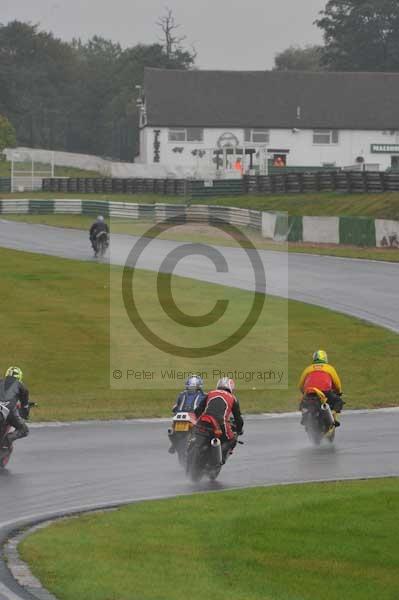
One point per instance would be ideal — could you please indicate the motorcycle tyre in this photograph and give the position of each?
(193, 468)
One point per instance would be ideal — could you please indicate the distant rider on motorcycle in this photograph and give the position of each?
(189, 399)
(98, 226)
(15, 396)
(217, 408)
(324, 377)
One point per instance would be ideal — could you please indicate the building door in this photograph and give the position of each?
(395, 162)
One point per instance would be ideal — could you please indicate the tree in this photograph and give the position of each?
(7, 134)
(36, 71)
(78, 96)
(172, 43)
(360, 35)
(296, 58)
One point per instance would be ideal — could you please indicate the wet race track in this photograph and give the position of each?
(63, 468)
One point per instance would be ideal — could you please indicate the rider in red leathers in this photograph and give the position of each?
(217, 408)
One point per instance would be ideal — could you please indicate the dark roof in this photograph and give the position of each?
(271, 99)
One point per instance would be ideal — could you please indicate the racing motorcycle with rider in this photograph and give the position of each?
(99, 236)
(184, 417)
(14, 410)
(321, 402)
(215, 434)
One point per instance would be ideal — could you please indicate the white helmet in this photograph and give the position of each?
(100, 219)
(226, 384)
(194, 382)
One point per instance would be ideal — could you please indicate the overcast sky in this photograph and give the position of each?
(227, 34)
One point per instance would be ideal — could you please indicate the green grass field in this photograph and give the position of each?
(206, 234)
(330, 541)
(384, 206)
(54, 323)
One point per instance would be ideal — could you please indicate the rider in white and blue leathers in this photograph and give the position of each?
(191, 397)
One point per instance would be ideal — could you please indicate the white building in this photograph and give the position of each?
(194, 121)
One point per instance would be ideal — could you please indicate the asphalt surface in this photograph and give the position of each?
(67, 467)
(70, 467)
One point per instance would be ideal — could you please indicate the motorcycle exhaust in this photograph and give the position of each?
(216, 452)
(328, 414)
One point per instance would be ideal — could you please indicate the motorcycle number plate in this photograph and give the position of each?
(182, 426)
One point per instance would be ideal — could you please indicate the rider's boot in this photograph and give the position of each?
(227, 449)
(21, 432)
(11, 437)
(5, 445)
(336, 418)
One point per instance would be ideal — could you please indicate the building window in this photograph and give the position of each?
(195, 134)
(325, 136)
(191, 134)
(177, 135)
(257, 136)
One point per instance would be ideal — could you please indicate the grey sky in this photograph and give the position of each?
(228, 34)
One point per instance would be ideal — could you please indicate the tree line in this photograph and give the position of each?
(359, 35)
(79, 96)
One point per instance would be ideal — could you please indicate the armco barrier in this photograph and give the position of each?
(354, 231)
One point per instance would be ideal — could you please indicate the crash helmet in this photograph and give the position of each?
(100, 219)
(194, 382)
(226, 384)
(14, 372)
(320, 357)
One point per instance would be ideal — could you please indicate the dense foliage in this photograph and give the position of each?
(296, 58)
(359, 35)
(78, 97)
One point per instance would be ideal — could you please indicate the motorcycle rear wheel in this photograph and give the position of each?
(194, 469)
(181, 450)
(315, 435)
(214, 473)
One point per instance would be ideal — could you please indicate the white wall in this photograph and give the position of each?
(302, 150)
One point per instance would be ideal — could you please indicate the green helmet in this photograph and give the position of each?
(320, 357)
(14, 372)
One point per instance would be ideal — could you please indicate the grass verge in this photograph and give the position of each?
(54, 323)
(330, 541)
(384, 206)
(210, 235)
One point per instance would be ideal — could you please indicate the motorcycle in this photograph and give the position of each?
(205, 452)
(6, 448)
(317, 417)
(101, 244)
(180, 434)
